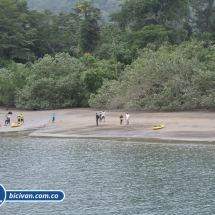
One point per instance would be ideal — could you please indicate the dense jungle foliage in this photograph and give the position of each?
(150, 55)
(107, 7)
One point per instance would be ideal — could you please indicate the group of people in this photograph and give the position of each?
(127, 118)
(20, 119)
(101, 116)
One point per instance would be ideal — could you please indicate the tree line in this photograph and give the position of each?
(107, 7)
(152, 55)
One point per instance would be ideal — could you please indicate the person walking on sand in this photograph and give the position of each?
(103, 115)
(121, 119)
(97, 119)
(127, 118)
(22, 118)
(53, 117)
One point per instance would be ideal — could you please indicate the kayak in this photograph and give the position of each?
(158, 127)
(15, 124)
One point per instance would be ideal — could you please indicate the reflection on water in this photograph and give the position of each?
(109, 177)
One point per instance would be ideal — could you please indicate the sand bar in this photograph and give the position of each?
(81, 123)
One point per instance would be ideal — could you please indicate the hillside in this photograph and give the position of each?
(107, 7)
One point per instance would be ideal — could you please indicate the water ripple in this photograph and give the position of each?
(109, 177)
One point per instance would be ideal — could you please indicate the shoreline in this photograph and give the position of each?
(191, 126)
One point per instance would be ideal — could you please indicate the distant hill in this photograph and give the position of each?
(107, 7)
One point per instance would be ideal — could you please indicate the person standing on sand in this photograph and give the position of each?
(22, 118)
(53, 117)
(100, 117)
(121, 119)
(18, 118)
(103, 115)
(97, 119)
(6, 120)
(127, 117)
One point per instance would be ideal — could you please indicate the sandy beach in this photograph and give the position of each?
(81, 123)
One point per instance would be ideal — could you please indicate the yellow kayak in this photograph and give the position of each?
(158, 127)
(15, 124)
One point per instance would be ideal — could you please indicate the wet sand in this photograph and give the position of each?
(81, 123)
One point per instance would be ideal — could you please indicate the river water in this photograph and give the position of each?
(109, 177)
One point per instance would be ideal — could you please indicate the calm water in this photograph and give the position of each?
(109, 177)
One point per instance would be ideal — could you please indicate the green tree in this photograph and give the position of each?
(113, 45)
(88, 19)
(55, 33)
(136, 14)
(172, 78)
(154, 34)
(203, 17)
(11, 79)
(7, 88)
(108, 96)
(53, 82)
(204, 11)
(96, 72)
(15, 36)
(106, 6)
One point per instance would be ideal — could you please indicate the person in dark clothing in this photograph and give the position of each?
(121, 119)
(8, 120)
(100, 117)
(97, 119)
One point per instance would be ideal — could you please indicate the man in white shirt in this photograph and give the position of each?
(127, 117)
(103, 115)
